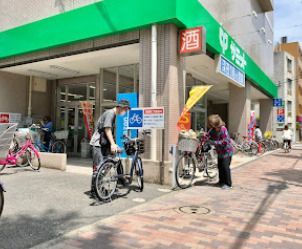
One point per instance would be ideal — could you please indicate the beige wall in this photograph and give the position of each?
(13, 93)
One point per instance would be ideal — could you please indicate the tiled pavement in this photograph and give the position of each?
(263, 210)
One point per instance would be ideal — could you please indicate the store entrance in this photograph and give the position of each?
(70, 114)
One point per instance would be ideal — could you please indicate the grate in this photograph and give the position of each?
(194, 210)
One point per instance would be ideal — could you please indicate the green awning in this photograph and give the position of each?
(109, 17)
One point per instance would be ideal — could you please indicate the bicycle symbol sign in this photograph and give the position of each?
(135, 119)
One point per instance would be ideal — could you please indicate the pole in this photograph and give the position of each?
(154, 86)
(29, 96)
(162, 163)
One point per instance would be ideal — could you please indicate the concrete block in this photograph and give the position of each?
(54, 160)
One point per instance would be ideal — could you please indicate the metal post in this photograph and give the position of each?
(154, 87)
(162, 163)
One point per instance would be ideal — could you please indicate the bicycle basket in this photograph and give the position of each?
(61, 135)
(129, 147)
(6, 137)
(188, 145)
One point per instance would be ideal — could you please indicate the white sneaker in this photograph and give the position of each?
(226, 187)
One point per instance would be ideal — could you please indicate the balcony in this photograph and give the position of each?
(266, 5)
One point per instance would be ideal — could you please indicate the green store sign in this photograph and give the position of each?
(110, 17)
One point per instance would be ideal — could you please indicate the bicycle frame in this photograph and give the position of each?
(12, 158)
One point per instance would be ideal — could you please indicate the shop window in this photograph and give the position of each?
(77, 92)
(110, 84)
(91, 91)
(126, 79)
(190, 83)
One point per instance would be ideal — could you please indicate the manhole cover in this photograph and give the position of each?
(194, 210)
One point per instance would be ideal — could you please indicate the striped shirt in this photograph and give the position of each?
(222, 142)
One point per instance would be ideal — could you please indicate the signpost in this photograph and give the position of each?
(122, 121)
(8, 117)
(146, 118)
(277, 102)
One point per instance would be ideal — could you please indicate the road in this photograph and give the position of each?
(40, 206)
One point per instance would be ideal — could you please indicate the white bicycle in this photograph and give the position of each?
(135, 119)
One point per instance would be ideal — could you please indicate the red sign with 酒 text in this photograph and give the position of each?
(191, 41)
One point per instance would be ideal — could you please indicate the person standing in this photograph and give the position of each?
(258, 134)
(219, 137)
(287, 136)
(102, 141)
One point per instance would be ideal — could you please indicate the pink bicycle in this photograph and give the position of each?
(11, 155)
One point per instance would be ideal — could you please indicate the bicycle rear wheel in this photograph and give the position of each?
(185, 171)
(34, 160)
(106, 181)
(22, 161)
(1, 201)
(58, 147)
(139, 174)
(211, 168)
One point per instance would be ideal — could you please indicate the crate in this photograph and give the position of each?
(188, 144)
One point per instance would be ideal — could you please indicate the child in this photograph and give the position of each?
(218, 135)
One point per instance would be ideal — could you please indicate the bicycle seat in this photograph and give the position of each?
(244, 137)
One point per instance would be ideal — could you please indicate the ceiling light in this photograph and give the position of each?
(64, 69)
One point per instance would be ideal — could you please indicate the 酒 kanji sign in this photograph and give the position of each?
(192, 41)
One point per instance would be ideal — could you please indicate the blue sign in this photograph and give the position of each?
(122, 121)
(277, 102)
(231, 71)
(281, 118)
(135, 119)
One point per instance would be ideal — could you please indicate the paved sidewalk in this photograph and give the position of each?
(263, 210)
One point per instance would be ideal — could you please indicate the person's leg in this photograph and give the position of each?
(290, 144)
(227, 171)
(220, 171)
(97, 160)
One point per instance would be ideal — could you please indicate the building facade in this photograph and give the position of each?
(294, 49)
(285, 75)
(50, 60)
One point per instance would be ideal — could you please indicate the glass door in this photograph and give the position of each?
(199, 119)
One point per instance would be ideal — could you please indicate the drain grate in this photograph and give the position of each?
(194, 210)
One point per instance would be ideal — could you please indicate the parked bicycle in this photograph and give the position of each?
(57, 143)
(11, 153)
(194, 154)
(111, 170)
(245, 146)
(1, 198)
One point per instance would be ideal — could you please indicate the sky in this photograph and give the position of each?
(288, 20)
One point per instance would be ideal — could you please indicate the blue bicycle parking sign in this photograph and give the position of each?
(277, 102)
(135, 119)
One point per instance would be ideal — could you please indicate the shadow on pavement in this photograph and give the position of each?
(288, 155)
(24, 231)
(273, 190)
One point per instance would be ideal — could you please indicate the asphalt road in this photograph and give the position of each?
(40, 206)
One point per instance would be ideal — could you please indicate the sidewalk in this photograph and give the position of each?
(263, 210)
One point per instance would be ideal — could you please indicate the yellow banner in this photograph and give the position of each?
(195, 95)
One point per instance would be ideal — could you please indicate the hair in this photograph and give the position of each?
(46, 119)
(257, 126)
(215, 121)
(286, 127)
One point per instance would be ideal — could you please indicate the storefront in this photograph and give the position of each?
(113, 52)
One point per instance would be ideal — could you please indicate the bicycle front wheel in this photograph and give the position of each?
(58, 147)
(185, 171)
(139, 174)
(106, 181)
(22, 161)
(34, 159)
(1, 201)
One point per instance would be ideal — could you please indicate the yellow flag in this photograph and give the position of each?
(195, 95)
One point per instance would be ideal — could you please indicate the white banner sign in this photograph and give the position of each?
(146, 118)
